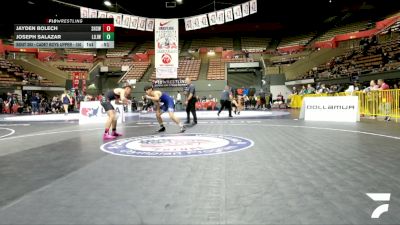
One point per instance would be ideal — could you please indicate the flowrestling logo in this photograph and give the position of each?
(176, 145)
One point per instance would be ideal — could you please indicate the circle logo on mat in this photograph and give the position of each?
(176, 145)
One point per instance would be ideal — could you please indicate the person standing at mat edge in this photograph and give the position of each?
(66, 101)
(190, 92)
(168, 106)
(120, 95)
(225, 101)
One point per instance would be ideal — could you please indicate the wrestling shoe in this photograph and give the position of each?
(183, 128)
(162, 129)
(116, 134)
(108, 136)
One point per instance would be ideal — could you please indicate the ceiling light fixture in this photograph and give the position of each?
(107, 3)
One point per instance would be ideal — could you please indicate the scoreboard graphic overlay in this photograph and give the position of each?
(66, 33)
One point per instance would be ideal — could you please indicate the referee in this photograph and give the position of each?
(190, 92)
(226, 96)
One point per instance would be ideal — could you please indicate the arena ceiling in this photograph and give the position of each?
(272, 14)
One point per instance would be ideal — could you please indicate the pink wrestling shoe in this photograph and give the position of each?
(108, 136)
(115, 134)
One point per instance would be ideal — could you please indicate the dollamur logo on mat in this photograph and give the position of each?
(177, 145)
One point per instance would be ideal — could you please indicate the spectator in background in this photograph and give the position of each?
(178, 101)
(211, 99)
(56, 104)
(134, 104)
(382, 85)
(322, 89)
(263, 102)
(386, 98)
(100, 97)
(372, 87)
(1, 105)
(35, 100)
(246, 91)
(253, 102)
(66, 101)
(246, 101)
(295, 91)
(303, 90)
(372, 102)
(10, 102)
(239, 91)
(310, 89)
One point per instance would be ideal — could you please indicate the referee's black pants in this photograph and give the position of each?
(191, 107)
(226, 104)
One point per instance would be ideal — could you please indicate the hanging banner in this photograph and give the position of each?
(245, 9)
(134, 22)
(126, 21)
(166, 47)
(221, 17)
(212, 18)
(196, 22)
(237, 12)
(191, 23)
(75, 79)
(253, 6)
(188, 24)
(204, 21)
(228, 15)
(84, 86)
(102, 14)
(92, 13)
(84, 12)
(149, 24)
(118, 20)
(141, 23)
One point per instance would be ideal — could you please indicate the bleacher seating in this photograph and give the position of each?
(47, 50)
(216, 68)
(147, 45)
(137, 70)
(348, 28)
(118, 62)
(121, 50)
(7, 73)
(65, 67)
(15, 75)
(187, 68)
(287, 59)
(363, 60)
(81, 51)
(300, 40)
(393, 28)
(226, 43)
(251, 44)
(8, 80)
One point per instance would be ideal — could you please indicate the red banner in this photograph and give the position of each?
(75, 79)
(84, 86)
